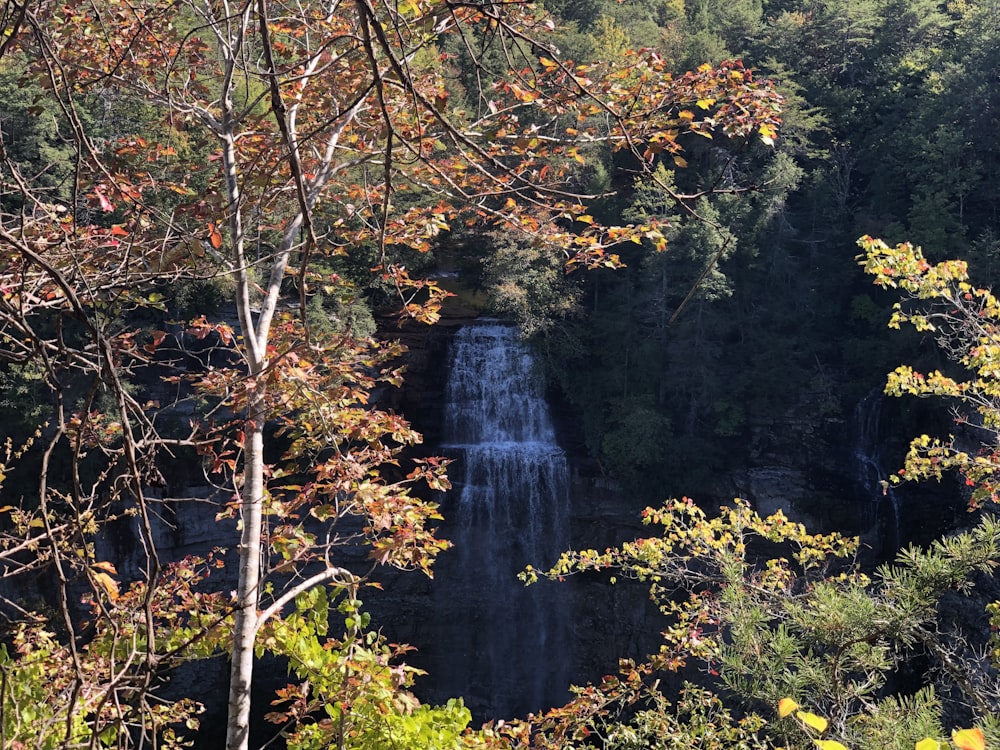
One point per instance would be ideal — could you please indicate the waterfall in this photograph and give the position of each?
(507, 649)
(881, 504)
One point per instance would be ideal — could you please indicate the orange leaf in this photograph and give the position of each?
(969, 739)
(214, 236)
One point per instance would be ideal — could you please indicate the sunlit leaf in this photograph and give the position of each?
(106, 582)
(969, 739)
(786, 706)
(214, 236)
(812, 720)
(105, 204)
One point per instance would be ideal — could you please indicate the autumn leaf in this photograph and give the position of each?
(767, 134)
(786, 706)
(105, 204)
(969, 739)
(929, 743)
(100, 572)
(829, 745)
(812, 720)
(214, 236)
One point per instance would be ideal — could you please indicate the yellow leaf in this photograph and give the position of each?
(767, 134)
(106, 582)
(106, 567)
(929, 743)
(829, 745)
(680, 161)
(969, 739)
(585, 219)
(812, 720)
(786, 706)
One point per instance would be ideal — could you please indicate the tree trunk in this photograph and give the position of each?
(248, 592)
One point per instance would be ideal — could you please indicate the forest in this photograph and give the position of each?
(733, 235)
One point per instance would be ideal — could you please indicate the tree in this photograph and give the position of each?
(767, 611)
(780, 618)
(290, 132)
(940, 300)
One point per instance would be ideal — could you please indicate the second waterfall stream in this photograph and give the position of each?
(509, 651)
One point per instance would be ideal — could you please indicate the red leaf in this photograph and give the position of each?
(102, 199)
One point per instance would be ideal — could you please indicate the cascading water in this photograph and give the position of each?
(510, 654)
(882, 505)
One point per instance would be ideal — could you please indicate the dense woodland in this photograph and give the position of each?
(205, 207)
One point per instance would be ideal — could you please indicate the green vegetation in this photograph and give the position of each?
(884, 131)
(202, 212)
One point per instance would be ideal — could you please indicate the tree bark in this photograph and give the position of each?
(248, 591)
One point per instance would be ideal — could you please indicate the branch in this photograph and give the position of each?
(343, 577)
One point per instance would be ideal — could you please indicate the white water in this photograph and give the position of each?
(509, 653)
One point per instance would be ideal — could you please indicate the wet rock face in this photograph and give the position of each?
(421, 399)
(830, 469)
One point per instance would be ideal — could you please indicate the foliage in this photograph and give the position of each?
(775, 612)
(939, 300)
(884, 130)
(526, 283)
(354, 688)
(627, 713)
(685, 338)
(963, 739)
(226, 167)
(117, 202)
(104, 694)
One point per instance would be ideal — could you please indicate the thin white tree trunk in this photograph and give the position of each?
(252, 491)
(248, 592)
(256, 334)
